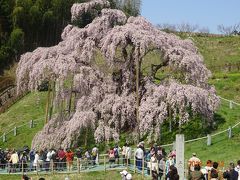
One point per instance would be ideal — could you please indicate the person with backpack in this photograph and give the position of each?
(139, 155)
(23, 161)
(116, 154)
(215, 173)
(111, 156)
(196, 174)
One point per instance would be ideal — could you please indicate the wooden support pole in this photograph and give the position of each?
(150, 167)
(134, 166)
(52, 99)
(47, 103)
(70, 98)
(78, 165)
(127, 160)
(137, 99)
(105, 168)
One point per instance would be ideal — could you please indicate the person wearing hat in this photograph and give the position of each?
(194, 160)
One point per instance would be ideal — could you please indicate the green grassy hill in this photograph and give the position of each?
(217, 51)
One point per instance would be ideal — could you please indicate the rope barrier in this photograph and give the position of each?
(229, 100)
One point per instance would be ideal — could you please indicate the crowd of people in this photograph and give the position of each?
(158, 163)
(47, 159)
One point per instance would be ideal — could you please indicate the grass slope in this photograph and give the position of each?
(31, 107)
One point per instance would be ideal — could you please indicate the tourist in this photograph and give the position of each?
(139, 154)
(128, 154)
(87, 157)
(124, 153)
(205, 170)
(231, 173)
(14, 160)
(237, 168)
(35, 162)
(61, 159)
(69, 158)
(193, 161)
(111, 156)
(42, 158)
(170, 162)
(95, 155)
(154, 166)
(23, 160)
(215, 173)
(196, 174)
(48, 159)
(172, 174)
(161, 166)
(31, 157)
(116, 153)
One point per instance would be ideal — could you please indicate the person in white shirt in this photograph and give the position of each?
(124, 153)
(139, 154)
(128, 154)
(48, 159)
(35, 162)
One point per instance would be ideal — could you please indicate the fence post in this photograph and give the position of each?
(78, 165)
(22, 168)
(209, 140)
(151, 167)
(31, 124)
(230, 132)
(37, 167)
(51, 162)
(127, 161)
(134, 167)
(143, 167)
(15, 131)
(4, 137)
(105, 163)
(230, 104)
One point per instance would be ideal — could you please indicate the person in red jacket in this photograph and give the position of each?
(69, 158)
(61, 159)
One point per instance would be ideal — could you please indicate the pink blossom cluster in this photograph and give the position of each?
(79, 8)
(107, 102)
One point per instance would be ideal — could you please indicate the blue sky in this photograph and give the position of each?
(205, 13)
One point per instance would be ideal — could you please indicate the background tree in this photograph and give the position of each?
(229, 30)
